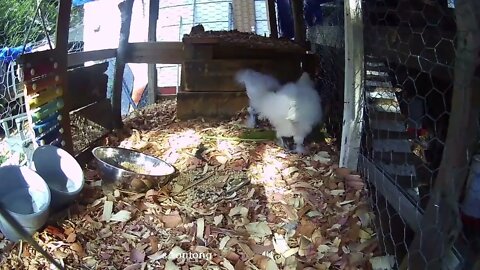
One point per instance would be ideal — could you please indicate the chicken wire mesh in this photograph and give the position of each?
(409, 63)
(325, 32)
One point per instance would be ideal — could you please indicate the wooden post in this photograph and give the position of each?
(244, 15)
(298, 21)
(441, 223)
(152, 37)
(272, 18)
(61, 48)
(126, 18)
(352, 111)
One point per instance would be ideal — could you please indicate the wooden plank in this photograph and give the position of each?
(392, 145)
(122, 52)
(384, 105)
(383, 89)
(272, 18)
(201, 40)
(428, 248)
(298, 22)
(63, 26)
(99, 112)
(244, 15)
(352, 113)
(152, 37)
(88, 85)
(218, 75)
(397, 158)
(381, 94)
(388, 125)
(79, 58)
(385, 116)
(36, 57)
(197, 51)
(155, 52)
(396, 198)
(400, 170)
(210, 105)
(238, 51)
(385, 134)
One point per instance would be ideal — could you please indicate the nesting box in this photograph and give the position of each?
(208, 88)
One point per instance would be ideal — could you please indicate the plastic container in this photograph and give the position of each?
(26, 196)
(62, 173)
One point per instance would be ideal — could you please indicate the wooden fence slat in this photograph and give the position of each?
(155, 52)
(298, 22)
(272, 18)
(126, 18)
(218, 75)
(82, 57)
(352, 112)
(63, 25)
(152, 37)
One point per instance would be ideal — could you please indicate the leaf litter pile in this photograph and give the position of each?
(238, 201)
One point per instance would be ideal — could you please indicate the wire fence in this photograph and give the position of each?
(326, 36)
(24, 27)
(410, 63)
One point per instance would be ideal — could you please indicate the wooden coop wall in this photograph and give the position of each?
(208, 87)
(410, 59)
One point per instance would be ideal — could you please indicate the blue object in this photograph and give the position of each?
(49, 136)
(8, 55)
(43, 124)
(127, 88)
(41, 131)
(77, 3)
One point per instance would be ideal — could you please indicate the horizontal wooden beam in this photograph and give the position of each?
(155, 52)
(82, 57)
(217, 105)
(218, 75)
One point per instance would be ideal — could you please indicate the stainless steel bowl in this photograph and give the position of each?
(149, 171)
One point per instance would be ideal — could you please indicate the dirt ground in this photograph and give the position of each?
(239, 201)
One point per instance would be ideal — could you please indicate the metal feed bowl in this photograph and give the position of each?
(111, 165)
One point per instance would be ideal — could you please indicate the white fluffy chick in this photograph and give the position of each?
(293, 110)
(255, 82)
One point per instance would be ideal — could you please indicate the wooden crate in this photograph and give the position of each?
(218, 75)
(210, 104)
(208, 88)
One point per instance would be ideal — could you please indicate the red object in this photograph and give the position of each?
(470, 223)
(171, 90)
(413, 132)
(39, 70)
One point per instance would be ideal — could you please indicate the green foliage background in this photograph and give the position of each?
(16, 16)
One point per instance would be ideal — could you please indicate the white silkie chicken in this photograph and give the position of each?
(256, 82)
(294, 109)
